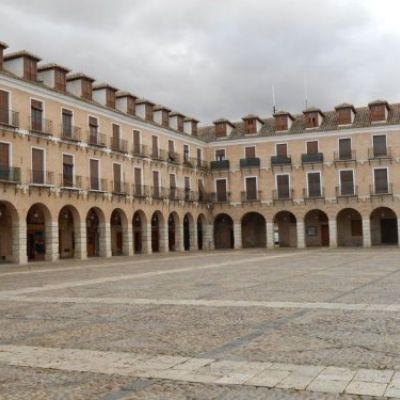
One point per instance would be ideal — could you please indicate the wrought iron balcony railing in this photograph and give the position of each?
(140, 151)
(96, 139)
(10, 174)
(219, 165)
(281, 160)
(9, 118)
(312, 158)
(40, 126)
(72, 133)
(250, 162)
(250, 196)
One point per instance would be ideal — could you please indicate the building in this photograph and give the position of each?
(89, 170)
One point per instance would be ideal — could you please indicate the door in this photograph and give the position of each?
(36, 116)
(136, 142)
(312, 147)
(155, 146)
(93, 128)
(117, 178)
(281, 150)
(4, 107)
(156, 184)
(4, 161)
(68, 171)
(324, 235)
(94, 175)
(389, 231)
(250, 152)
(119, 241)
(251, 188)
(116, 137)
(38, 166)
(221, 190)
(67, 123)
(138, 182)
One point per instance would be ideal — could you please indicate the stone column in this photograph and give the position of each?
(366, 232)
(127, 235)
(81, 241)
(237, 236)
(146, 239)
(332, 233)
(164, 238)
(208, 237)
(301, 244)
(52, 240)
(179, 242)
(105, 239)
(19, 242)
(270, 235)
(194, 245)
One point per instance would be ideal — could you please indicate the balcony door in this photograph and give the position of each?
(4, 161)
(116, 137)
(283, 186)
(94, 175)
(156, 184)
(281, 150)
(222, 195)
(379, 146)
(38, 166)
(36, 115)
(155, 146)
(344, 149)
(314, 184)
(250, 152)
(68, 170)
(67, 123)
(136, 142)
(312, 147)
(93, 130)
(4, 107)
(347, 183)
(381, 180)
(138, 182)
(117, 173)
(172, 186)
(251, 188)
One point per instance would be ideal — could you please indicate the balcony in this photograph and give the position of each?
(219, 165)
(249, 163)
(189, 195)
(174, 194)
(96, 139)
(346, 191)
(314, 193)
(70, 182)
(10, 175)
(97, 185)
(159, 155)
(189, 162)
(71, 133)
(119, 188)
(41, 178)
(381, 189)
(203, 197)
(382, 154)
(140, 191)
(173, 157)
(251, 197)
(119, 145)
(139, 151)
(201, 164)
(344, 156)
(40, 126)
(9, 118)
(158, 193)
(313, 158)
(282, 195)
(221, 198)
(280, 161)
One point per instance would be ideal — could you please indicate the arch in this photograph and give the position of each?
(201, 231)
(38, 233)
(69, 231)
(9, 238)
(173, 231)
(139, 224)
(316, 228)
(188, 232)
(253, 230)
(157, 223)
(223, 232)
(95, 233)
(119, 228)
(285, 229)
(349, 227)
(384, 229)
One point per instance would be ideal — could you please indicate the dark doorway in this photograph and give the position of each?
(137, 233)
(92, 233)
(253, 231)
(36, 235)
(200, 233)
(186, 233)
(223, 232)
(171, 233)
(155, 233)
(324, 235)
(389, 231)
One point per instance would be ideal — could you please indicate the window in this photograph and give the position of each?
(281, 123)
(117, 174)
(110, 98)
(220, 155)
(186, 152)
(381, 180)
(187, 187)
(171, 148)
(156, 184)
(138, 182)
(68, 170)
(199, 157)
(250, 126)
(172, 185)
(345, 149)
(312, 119)
(164, 118)
(379, 145)
(312, 147)
(202, 190)
(222, 195)
(378, 112)
(251, 188)
(93, 130)
(130, 105)
(347, 183)
(86, 89)
(36, 115)
(314, 184)
(60, 81)
(30, 69)
(155, 146)
(67, 123)
(220, 130)
(94, 175)
(5, 161)
(136, 142)
(180, 123)
(38, 175)
(116, 138)
(250, 152)
(4, 107)
(282, 183)
(344, 116)
(281, 150)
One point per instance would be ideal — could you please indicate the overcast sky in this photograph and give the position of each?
(219, 58)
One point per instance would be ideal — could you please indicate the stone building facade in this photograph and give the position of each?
(89, 170)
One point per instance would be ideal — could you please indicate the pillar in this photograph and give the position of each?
(81, 241)
(51, 237)
(164, 238)
(300, 235)
(194, 245)
(208, 232)
(237, 236)
(127, 234)
(270, 235)
(146, 239)
(179, 242)
(366, 232)
(332, 233)
(105, 239)
(19, 242)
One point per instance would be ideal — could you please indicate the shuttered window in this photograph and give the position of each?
(136, 141)
(220, 154)
(4, 155)
(314, 184)
(282, 182)
(86, 89)
(250, 152)
(117, 178)
(116, 137)
(110, 98)
(60, 80)
(346, 182)
(312, 147)
(4, 107)
(130, 105)
(36, 115)
(155, 146)
(68, 170)
(381, 180)
(38, 166)
(344, 149)
(171, 148)
(156, 183)
(186, 152)
(67, 123)
(30, 69)
(221, 190)
(379, 143)
(281, 150)
(138, 181)
(251, 188)
(94, 175)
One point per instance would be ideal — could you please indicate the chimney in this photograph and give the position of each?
(144, 109)
(252, 124)
(3, 46)
(190, 126)
(345, 114)
(53, 76)
(22, 64)
(80, 85)
(176, 121)
(223, 127)
(104, 94)
(161, 115)
(283, 121)
(378, 110)
(313, 117)
(126, 102)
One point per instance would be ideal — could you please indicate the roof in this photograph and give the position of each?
(190, 119)
(252, 116)
(160, 107)
(46, 67)
(3, 45)
(101, 86)
(223, 121)
(176, 114)
(312, 110)
(21, 53)
(123, 93)
(144, 101)
(283, 113)
(79, 75)
(378, 103)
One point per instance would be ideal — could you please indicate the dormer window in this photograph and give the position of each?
(378, 111)
(190, 126)
(3, 46)
(144, 109)
(126, 102)
(223, 128)
(53, 76)
(252, 124)
(80, 85)
(105, 94)
(283, 121)
(161, 116)
(313, 118)
(22, 64)
(345, 114)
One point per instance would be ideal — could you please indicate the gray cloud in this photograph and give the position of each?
(213, 58)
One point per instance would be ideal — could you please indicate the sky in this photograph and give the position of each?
(220, 58)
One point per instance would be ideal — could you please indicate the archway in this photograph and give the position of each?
(253, 230)
(9, 240)
(285, 229)
(156, 226)
(188, 232)
(139, 223)
(316, 228)
(201, 226)
(349, 228)
(118, 223)
(383, 227)
(223, 232)
(37, 220)
(173, 231)
(94, 220)
(68, 224)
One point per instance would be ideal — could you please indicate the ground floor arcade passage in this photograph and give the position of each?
(39, 235)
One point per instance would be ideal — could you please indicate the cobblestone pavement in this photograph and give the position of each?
(256, 324)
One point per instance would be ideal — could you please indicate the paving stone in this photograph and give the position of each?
(327, 386)
(373, 375)
(337, 374)
(366, 388)
(268, 378)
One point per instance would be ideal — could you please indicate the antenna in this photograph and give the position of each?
(273, 100)
(305, 90)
